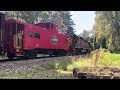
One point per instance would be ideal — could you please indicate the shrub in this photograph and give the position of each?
(62, 64)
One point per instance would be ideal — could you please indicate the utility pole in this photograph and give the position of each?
(94, 41)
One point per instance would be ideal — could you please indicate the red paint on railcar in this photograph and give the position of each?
(45, 40)
(22, 37)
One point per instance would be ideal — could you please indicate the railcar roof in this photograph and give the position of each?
(17, 21)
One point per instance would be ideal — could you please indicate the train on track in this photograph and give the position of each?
(20, 39)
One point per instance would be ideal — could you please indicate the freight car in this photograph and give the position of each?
(22, 39)
(80, 45)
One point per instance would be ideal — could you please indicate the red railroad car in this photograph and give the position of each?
(27, 40)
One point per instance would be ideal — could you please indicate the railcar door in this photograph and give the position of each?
(18, 37)
(18, 41)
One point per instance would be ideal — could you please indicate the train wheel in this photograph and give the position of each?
(69, 54)
(33, 54)
(26, 54)
(20, 58)
(50, 53)
(10, 55)
(57, 54)
(87, 51)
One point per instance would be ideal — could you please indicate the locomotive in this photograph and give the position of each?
(20, 39)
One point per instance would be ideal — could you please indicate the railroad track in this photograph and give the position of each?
(17, 65)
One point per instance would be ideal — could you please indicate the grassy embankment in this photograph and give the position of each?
(62, 69)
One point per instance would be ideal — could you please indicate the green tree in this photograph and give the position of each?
(107, 26)
(86, 34)
(67, 21)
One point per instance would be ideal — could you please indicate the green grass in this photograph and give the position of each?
(109, 59)
(104, 59)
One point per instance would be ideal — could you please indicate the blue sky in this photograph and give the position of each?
(84, 20)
